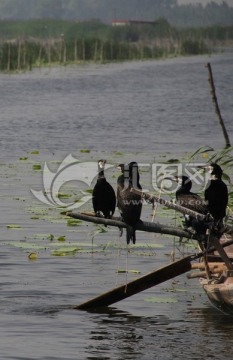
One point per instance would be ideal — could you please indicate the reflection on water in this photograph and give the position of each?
(140, 109)
(134, 337)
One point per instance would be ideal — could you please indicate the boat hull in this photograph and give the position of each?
(220, 295)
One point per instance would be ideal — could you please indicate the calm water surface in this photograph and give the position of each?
(141, 111)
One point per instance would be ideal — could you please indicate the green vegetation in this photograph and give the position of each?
(26, 44)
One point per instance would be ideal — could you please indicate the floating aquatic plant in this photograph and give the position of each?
(65, 251)
(36, 167)
(61, 238)
(122, 271)
(13, 226)
(161, 300)
(33, 256)
(74, 222)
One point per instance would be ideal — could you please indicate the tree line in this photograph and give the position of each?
(105, 10)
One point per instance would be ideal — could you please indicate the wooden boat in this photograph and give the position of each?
(216, 278)
(220, 294)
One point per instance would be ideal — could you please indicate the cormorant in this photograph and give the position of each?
(216, 194)
(129, 204)
(187, 198)
(191, 201)
(104, 198)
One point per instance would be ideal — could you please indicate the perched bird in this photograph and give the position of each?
(188, 199)
(216, 194)
(191, 201)
(129, 204)
(103, 197)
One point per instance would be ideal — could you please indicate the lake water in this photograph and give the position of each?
(145, 111)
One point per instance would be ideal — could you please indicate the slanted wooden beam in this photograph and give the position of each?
(144, 282)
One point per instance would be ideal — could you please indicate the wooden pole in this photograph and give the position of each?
(64, 52)
(96, 51)
(19, 56)
(84, 50)
(217, 109)
(49, 53)
(75, 50)
(9, 57)
(141, 226)
(144, 282)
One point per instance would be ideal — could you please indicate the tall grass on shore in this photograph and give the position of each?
(23, 54)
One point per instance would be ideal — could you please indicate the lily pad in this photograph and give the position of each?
(61, 238)
(122, 271)
(13, 226)
(36, 167)
(148, 246)
(33, 256)
(161, 300)
(74, 222)
(65, 251)
(25, 245)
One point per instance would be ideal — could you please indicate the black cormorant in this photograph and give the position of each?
(129, 204)
(187, 198)
(216, 194)
(191, 201)
(104, 198)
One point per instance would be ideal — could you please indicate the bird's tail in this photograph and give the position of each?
(130, 234)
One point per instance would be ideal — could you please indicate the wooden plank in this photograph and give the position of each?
(144, 282)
